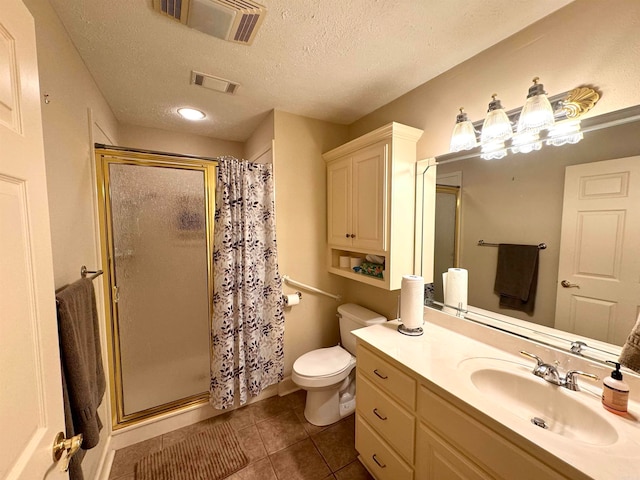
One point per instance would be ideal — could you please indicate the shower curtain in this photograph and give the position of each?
(248, 318)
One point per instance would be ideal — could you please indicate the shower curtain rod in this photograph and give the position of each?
(287, 279)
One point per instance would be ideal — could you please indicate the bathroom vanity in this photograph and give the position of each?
(453, 405)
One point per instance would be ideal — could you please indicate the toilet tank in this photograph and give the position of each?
(352, 317)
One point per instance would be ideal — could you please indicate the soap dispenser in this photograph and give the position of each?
(615, 392)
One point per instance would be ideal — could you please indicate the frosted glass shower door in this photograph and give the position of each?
(160, 279)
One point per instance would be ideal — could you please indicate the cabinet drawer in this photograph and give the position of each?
(388, 418)
(377, 456)
(479, 442)
(385, 376)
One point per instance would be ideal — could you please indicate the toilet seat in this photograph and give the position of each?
(323, 362)
(322, 368)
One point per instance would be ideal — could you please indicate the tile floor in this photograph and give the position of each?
(280, 444)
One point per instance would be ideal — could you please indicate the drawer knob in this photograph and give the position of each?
(381, 417)
(381, 375)
(375, 459)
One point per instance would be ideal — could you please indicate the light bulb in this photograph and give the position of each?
(191, 113)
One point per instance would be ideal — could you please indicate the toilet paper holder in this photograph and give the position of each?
(286, 300)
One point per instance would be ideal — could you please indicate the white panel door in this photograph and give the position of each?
(31, 411)
(598, 260)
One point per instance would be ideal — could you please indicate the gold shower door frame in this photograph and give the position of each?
(106, 156)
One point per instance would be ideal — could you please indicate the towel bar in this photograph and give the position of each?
(482, 243)
(84, 272)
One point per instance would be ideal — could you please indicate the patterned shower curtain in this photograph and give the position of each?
(248, 318)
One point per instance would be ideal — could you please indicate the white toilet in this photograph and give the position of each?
(328, 374)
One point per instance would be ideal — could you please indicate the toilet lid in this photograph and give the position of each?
(322, 362)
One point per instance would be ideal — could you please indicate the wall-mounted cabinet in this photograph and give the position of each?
(371, 198)
(356, 196)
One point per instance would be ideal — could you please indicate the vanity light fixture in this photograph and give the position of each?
(191, 113)
(525, 142)
(542, 120)
(493, 151)
(464, 135)
(567, 131)
(537, 113)
(496, 127)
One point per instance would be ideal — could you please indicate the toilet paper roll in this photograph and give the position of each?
(455, 285)
(412, 301)
(344, 261)
(355, 262)
(293, 299)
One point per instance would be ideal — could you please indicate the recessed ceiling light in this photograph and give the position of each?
(191, 113)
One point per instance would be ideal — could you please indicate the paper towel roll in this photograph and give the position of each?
(455, 285)
(293, 299)
(355, 262)
(344, 261)
(412, 301)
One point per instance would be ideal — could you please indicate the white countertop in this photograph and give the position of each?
(435, 357)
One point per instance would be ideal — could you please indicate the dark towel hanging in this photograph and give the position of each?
(517, 276)
(83, 376)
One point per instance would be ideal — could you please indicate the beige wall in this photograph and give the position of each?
(76, 115)
(146, 138)
(68, 143)
(587, 42)
(259, 146)
(300, 175)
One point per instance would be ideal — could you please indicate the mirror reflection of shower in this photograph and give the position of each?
(447, 234)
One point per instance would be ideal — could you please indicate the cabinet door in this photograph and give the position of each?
(370, 172)
(339, 229)
(437, 460)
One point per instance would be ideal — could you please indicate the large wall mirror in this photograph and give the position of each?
(520, 200)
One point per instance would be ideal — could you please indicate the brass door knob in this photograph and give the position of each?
(568, 284)
(70, 445)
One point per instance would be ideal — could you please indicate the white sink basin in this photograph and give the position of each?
(556, 409)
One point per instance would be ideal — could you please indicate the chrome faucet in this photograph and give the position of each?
(550, 373)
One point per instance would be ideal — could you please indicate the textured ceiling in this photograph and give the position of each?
(333, 60)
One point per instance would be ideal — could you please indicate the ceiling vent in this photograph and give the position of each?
(232, 20)
(213, 83)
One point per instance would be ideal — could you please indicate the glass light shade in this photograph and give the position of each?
(565, 132)
(537, 113)
(526, 142)
(191, 113)
(496, 127)
(493, 151)
(464, 135)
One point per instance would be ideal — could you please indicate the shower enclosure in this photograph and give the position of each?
(156, 238)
